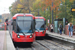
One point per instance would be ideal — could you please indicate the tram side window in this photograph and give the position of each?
(14, 26)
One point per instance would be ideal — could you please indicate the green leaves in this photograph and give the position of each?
(44, 8)
(21, 6)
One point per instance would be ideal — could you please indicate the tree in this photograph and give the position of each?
(21, 6)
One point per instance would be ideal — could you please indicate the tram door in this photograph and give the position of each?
(56, 26)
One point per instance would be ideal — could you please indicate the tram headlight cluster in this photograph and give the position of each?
(43, 31)
(31, 36)
(18, 36)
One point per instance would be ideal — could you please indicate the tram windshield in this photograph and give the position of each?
(39, 24)
(24, 25)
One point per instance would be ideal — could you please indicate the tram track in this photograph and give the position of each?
(43, 45)
(30, 48)
(50, 42)
(17, 48)
(34, 46)
(50, 45)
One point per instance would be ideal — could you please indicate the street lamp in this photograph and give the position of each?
(47, 12)
(44, 12)
(47, 15)
(64, 19)
(61, 4)
(38, 12)
(65, 9)
(52, 13)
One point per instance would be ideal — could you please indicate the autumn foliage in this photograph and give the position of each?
(43, 7)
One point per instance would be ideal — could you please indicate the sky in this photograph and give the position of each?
(4, 6)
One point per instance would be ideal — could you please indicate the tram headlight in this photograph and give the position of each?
(31, 36)
(43, 31)
(18, 36)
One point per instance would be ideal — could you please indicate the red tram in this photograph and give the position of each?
(22, 28)
(40, 27)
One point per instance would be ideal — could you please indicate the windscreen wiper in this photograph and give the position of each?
(23, 33)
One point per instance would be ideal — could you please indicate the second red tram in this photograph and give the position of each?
(22, 28)
(40, 27)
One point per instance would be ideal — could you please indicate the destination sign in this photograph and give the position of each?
(39, 19)
(24, 18)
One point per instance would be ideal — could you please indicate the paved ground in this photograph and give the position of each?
(63, 35)
(6, 41)
(2, 36)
